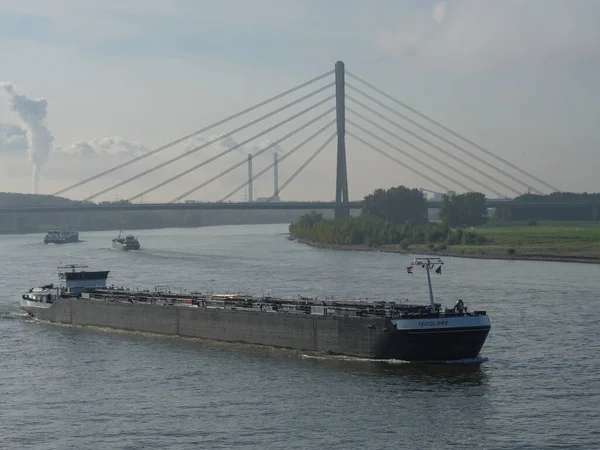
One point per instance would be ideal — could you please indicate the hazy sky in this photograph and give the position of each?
(95, 83)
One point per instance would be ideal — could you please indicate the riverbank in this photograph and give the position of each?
(591, 254)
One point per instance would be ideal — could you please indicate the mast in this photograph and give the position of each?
(73, 267)
(430, 289)
(428, 264)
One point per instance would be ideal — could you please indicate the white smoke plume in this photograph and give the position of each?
(13, 139)
(32, 113)
(225, 144)
(275, 149)
(228, 143)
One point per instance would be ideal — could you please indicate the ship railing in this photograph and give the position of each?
(351, 308)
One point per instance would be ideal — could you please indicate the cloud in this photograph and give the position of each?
(471, 35)
(13, 139)
(102, 147)
(483, 68)
(217, 147)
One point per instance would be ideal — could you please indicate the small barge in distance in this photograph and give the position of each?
(376, 330)
(61, 237)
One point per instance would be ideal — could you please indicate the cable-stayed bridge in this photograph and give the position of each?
(340, 105)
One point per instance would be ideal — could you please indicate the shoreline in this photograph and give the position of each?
(393, 249)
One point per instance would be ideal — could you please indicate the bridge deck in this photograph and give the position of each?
(490, 203)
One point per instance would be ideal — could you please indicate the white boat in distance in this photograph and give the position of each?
(128, 242)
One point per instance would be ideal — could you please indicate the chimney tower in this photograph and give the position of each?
(250, 177)
(275, 176)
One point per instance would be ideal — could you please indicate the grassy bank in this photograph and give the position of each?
(564, 241)
(552, 241)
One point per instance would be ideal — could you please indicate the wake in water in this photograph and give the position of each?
(476, 360)
(14, 314)
(42, 244)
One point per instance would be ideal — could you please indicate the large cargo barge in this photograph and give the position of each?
(378, 330)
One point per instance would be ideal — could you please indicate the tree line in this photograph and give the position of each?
(374, 232)
(128, 220)
(401, 205)
(398, 216)
(581, 213)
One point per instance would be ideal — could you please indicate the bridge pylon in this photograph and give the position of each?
(341, 182)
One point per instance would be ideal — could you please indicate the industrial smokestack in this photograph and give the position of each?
(250, 177)
(275, 176)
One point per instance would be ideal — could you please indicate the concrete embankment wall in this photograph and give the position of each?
(355, 336)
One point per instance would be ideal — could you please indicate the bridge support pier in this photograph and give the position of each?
(505, 213)
(595, 213)
(341, 182)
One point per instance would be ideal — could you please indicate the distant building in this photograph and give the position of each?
(435, 196)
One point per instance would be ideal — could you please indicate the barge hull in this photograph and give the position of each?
(365, 337)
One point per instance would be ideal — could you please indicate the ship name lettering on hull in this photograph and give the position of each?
(433, 323)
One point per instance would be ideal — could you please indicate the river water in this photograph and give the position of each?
(68, 387)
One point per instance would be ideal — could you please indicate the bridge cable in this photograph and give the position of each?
(422, 175)
(235, 166)
(241, 144)
(183, 155)
(408, 155)
(212, 141)
(444, 163)
(454, 133)
(458, 147)
(195, 133)
(433, 145)
(303, 166)
(437, 135)
(270, 166)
